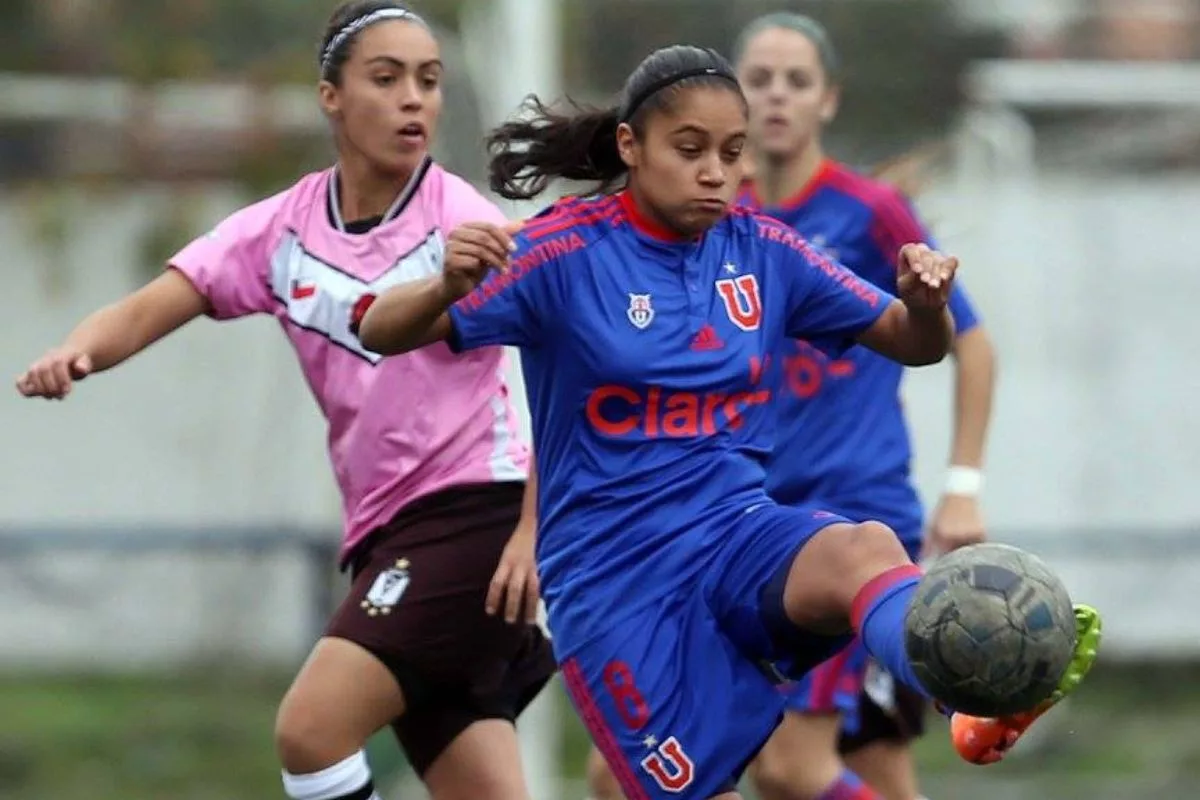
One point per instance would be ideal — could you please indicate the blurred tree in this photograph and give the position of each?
(22, 45)
(259, 42)
(903, 59)
(152, 40)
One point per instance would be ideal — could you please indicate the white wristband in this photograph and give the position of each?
(963, 481)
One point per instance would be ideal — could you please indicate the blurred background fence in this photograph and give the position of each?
(166, 536)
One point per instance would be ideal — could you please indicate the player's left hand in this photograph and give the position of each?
(924, 277)
(514, 589)
(957, 522)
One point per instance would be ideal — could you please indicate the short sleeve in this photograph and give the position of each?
(962, 309)
(230, 265)
(512, 308)
(462, 202)
(827, 304)
(896, 224)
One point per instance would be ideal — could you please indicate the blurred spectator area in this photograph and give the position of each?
(1155, 30)
(213, 89)
(1102, 85)
(185, 91)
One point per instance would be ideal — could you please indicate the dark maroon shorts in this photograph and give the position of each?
(902, 722)
(417, 604)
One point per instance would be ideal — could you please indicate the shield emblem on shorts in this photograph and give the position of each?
(880, 687)
(640, 312)
(387, 589)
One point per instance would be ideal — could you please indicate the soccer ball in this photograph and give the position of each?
(990, 631)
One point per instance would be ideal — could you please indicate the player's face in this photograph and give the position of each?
(390, 97)
(790, 95)
(688, 164)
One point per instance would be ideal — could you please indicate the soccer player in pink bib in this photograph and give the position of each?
(425, 448)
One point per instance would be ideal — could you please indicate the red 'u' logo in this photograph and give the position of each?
(742, 301)
(670, 766)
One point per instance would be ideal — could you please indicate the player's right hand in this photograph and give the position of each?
(472, 250)
(52, 375)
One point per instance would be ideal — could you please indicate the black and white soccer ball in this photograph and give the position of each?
(990, 631)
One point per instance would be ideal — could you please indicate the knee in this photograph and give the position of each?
(602, 784)
(864, 551)
(790, 776)
(830, 570)
(307, 743)
(771, 779)
(297, 741)
(341, 696)
(876, 545)
(800, 760)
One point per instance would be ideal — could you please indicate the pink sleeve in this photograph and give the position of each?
(230, 265)
(462, 203)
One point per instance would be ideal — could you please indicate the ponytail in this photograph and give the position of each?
(911, 171)
(578, 144)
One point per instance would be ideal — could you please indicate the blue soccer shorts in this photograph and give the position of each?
(674, 695)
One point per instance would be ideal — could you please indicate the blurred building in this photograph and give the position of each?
(1119, 30)
(1099, 85)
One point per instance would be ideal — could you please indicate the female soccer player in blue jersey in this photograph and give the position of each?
(647, 318)
(843, 439)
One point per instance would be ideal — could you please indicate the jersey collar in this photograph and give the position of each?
(333, 205)
(819, 179)
(645, 225)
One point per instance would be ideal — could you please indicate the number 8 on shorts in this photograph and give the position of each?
(674, 708)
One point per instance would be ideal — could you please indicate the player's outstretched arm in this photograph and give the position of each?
(413, 315)
(113, 334)
(917, 329)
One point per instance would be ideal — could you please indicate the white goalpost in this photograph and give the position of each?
(513, 49)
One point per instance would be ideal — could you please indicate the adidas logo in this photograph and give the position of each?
(706, 339)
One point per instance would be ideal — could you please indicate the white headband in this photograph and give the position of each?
(365, 21)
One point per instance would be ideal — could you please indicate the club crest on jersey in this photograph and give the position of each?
(324, 299)
(640, 312)
(742, 301)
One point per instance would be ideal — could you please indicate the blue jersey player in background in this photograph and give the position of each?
(843, 438)
(646, 319)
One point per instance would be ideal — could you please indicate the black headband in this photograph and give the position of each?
(632, 104)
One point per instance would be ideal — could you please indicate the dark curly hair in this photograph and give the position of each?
(580, 143)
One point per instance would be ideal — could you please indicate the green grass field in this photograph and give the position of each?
(186, 738)
(208, 737)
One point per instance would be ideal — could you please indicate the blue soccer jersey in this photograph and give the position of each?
(652, 398)
(843, 439)
(646, 365)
